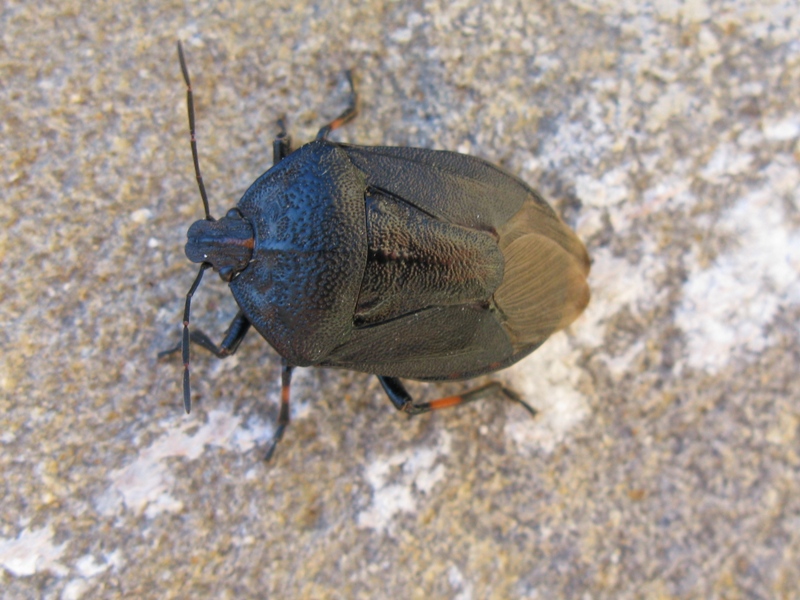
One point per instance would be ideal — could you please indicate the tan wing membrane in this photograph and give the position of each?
(535, 218)
(544, 287)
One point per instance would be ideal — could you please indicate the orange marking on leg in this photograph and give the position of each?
(335, 124)
(446, 402)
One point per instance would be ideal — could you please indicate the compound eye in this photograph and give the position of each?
(233, 214)
(226, 274)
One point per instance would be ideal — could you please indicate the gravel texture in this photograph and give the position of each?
(664, 462)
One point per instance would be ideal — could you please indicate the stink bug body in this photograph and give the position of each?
(402, 262)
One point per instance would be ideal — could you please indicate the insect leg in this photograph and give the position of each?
(403, 401)
(349, 113)
(282, 144)
(236, 332)
(233, 337)
(283, 415)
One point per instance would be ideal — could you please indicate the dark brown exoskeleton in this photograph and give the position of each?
(402, 262)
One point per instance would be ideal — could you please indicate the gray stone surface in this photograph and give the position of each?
(664, 463)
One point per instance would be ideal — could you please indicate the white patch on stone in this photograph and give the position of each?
(141, 216)
(616, 284)
(114, 559)
(547, 381)
(88, 567)
(459, 584)
(398, 479)
(727, 160)
(144, 485)
(675, 102)
(727, 306)
(608, 191)
(32, 552)
(163, 503)
(781, 131)
(75, 589)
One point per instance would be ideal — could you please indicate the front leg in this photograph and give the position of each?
(237, 330)
(347, 115)
(283, 415)
(282, 144)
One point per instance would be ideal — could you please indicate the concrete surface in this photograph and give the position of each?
(664, 463)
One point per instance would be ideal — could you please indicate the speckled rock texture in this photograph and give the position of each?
(665, 461)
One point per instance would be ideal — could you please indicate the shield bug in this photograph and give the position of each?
(401, 262)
